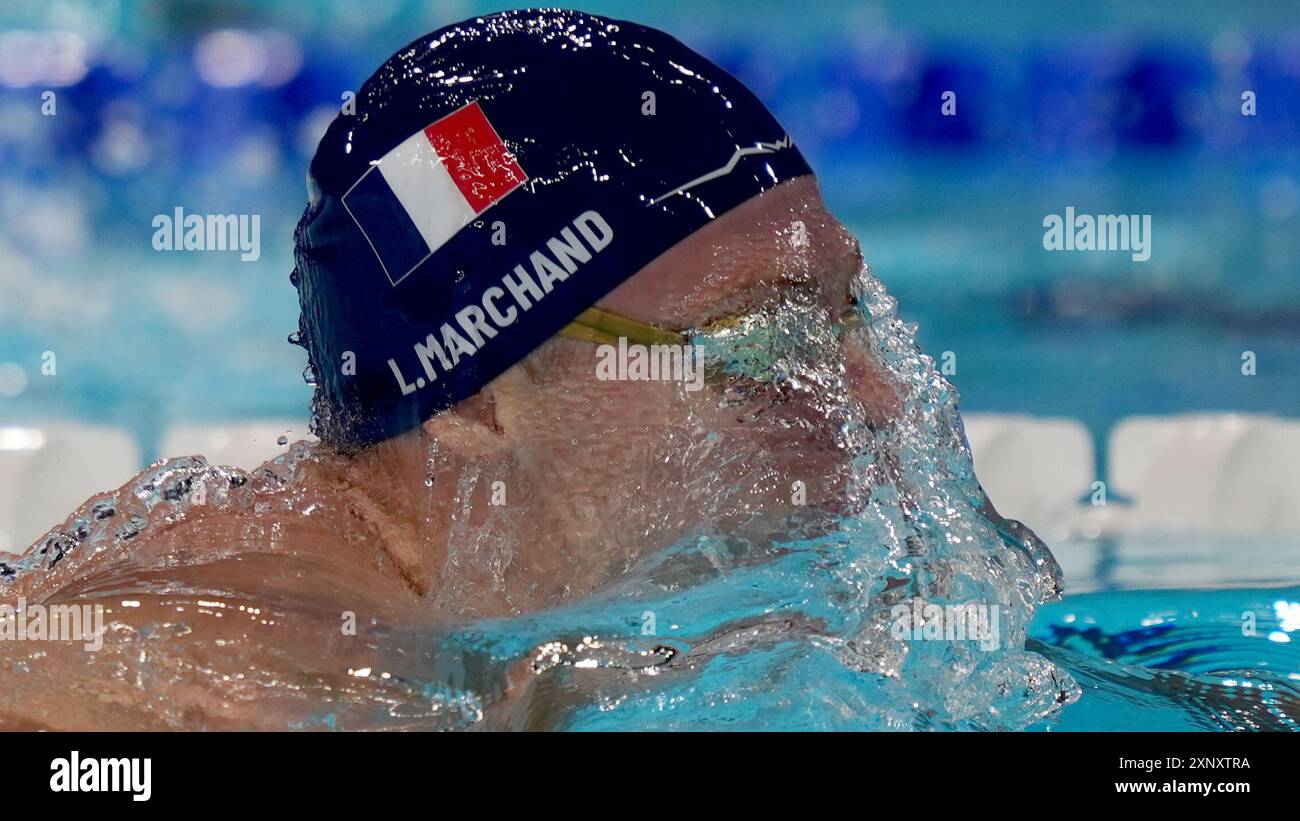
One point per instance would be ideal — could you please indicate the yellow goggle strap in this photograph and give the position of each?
(605, 327)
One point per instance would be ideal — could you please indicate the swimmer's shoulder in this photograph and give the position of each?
(176, 514)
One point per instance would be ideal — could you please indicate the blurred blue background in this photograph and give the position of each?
(1106, 107)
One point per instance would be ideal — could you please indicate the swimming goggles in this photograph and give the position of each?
(753, 344)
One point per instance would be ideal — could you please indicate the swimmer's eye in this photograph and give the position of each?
(751, 343)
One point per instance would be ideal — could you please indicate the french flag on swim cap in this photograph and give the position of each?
(420, 194)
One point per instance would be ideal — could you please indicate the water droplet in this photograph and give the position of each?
(132, 528)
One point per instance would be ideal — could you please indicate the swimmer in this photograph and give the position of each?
(514, 198)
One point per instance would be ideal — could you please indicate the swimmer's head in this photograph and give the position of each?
(495, 180)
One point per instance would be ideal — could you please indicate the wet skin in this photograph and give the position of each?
(236, 614)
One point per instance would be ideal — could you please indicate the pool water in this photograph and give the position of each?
(759, 647)
(1176, 659)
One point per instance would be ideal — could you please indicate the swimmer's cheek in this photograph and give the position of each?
(872, 387)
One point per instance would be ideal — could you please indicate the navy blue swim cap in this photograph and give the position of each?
(496, 179)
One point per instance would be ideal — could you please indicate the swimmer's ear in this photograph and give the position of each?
(470, 429)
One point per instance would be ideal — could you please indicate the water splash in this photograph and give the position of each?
(799, 631)
(791, 624)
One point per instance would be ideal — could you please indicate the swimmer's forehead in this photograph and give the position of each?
(781, 237)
